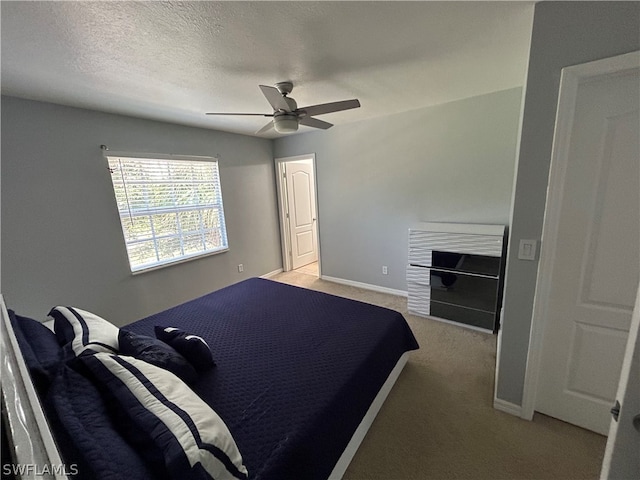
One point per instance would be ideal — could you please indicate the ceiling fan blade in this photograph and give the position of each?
(266, 128)
(250, 114)
(330, 107)
(275, 98)
(314, 122)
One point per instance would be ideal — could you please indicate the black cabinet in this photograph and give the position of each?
(467, 291)
(457, 276)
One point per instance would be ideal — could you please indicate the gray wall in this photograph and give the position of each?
(61, 237)
(451, 163)
(564, 33)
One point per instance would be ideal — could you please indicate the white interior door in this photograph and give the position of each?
(301, 202)
(622, 455)
(594, 277)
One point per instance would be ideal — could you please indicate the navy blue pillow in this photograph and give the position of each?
(192, 347)
(156, 352)
(40, 349)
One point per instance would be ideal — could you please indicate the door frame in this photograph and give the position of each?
(569, 82)
(285, 233)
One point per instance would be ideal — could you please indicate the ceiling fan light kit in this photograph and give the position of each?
(285, 123)
(286, 114)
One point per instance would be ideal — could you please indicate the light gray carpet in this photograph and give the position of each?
(438, 421)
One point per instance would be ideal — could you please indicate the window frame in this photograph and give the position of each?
(109, 155)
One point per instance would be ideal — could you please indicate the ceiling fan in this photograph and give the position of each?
(286, 114)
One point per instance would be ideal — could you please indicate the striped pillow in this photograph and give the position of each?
(191, 347)
(195, 442)
(84, 330)
(156, 352)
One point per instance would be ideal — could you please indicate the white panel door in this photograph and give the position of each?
(594, 278)
(622, 455)
(301, 201)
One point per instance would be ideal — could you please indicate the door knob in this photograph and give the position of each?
(615, 411)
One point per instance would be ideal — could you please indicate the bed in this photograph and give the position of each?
(297, 378)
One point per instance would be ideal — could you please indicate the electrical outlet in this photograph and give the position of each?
(385, 270)
(240, 268)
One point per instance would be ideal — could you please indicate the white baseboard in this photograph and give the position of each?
(366, 286)
(507, 407)
(271, 274)
(452, 322)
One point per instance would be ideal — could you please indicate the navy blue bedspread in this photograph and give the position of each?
(296, 369)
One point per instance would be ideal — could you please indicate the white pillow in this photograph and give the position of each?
(84, 330)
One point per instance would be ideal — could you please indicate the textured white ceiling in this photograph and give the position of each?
(173, 61)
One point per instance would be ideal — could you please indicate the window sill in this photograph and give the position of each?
(177, 262)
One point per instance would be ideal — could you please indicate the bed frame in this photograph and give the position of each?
(367, 420)
(31, 441)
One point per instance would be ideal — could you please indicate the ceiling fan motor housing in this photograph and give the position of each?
(292, 103)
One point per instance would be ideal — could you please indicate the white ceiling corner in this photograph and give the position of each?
(174, 61)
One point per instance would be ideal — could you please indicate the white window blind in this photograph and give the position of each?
(170, 210)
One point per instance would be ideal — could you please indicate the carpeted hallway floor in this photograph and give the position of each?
(438, 421)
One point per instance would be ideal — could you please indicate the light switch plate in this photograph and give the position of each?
(527, 249)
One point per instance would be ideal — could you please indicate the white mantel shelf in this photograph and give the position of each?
(468, 228)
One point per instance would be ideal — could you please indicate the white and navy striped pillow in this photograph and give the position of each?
(194, 440)
(191, 347)
(84, 330)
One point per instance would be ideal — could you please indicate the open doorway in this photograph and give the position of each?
(297, 204)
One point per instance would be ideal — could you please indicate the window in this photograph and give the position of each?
(170, 209)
